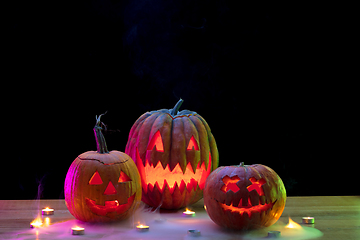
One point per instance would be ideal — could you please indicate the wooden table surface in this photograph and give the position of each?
(337, 217)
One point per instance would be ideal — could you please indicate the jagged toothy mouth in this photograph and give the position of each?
(110, 206)
(249, 209)
(165, 178)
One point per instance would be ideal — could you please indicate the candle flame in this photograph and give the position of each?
(48, 209)
(37, 222)
(188, 211)
(77, 228)
(292, 224)
(142, 226)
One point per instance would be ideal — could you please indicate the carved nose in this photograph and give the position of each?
(110, 189)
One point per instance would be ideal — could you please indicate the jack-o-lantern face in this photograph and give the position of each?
(174, 153)
(156, 175)
(244, 197)
(102, 187)
(230, 184)
(110, 206)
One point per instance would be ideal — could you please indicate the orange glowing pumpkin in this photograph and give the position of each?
(244, 197)
(175, 153)
(102, 186)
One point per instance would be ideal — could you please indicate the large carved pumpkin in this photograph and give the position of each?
(244, 197)
(174, 152)
(102, 186)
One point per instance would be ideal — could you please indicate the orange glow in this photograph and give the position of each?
(256, 185)
(47, 221)
(249, 209)
(292, 224)
(95, 179)
(230, 184)
(110, 206)
(124, 178)
(157, 142)
(110, 189)
(36, 223)
(192, 144)
(161, 177)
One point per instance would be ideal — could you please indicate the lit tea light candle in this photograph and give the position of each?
(47, 211)
(188, 213)
(194, 233)
(77, 231)
(274, 234)
(308, 220)
(142, 228)
(36, 223)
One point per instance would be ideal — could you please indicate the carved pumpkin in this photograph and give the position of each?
(244, 197)
(102, 186)
(174, 152)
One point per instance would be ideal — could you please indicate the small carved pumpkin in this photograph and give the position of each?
(175, 153)
(102, 186)
(244, 197)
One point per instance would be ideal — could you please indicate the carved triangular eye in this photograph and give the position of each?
(124, 178)
(192, 144)
(110, 189)
(157, 142)
(95, 179)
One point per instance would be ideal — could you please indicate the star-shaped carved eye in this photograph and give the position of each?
(230, 184)
(256, 185)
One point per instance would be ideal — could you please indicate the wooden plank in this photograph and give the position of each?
(338, 217)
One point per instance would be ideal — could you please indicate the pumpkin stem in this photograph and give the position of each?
(100, 140)
(175, 110)
(241, 164)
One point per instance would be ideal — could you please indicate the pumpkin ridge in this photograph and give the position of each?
(211, 141)
(145, 131)
(180, 159)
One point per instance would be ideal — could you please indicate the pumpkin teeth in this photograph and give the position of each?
(164, 177)
(249, 209)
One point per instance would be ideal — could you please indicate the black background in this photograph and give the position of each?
(269, 79)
